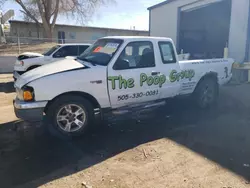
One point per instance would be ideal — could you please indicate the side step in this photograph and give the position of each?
(138, 108)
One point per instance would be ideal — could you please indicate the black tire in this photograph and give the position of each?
(206, 93)
(57, 105)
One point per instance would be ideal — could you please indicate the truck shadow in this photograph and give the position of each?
(28, 154)
(7, 87)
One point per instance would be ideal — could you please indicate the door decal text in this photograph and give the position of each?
(122, 83)
(185, 74)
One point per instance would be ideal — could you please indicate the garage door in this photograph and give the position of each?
(198, 4)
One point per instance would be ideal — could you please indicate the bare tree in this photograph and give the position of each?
(1, 3)
(47, 11)
(35, 14)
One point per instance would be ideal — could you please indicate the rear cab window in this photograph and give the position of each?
(167, 52)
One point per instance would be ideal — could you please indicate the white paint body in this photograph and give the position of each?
(36, 61)
(39, 59)
(69, 75)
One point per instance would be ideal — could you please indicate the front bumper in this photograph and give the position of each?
(29, 111)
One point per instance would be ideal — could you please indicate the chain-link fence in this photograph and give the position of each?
(17, 45)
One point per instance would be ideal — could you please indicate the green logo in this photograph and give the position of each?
(185, 74)
(150, 80)
(123, 83)
(130, 83)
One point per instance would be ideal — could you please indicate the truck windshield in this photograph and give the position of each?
(51, 50)
(101, 52)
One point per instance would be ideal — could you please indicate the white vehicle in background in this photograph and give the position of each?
(29, 60)
(117, 75)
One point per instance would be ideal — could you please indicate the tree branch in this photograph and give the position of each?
(49, 10)
(26, 11)
(29, 16)
(47, 7)
(41, 10)
(55, 14)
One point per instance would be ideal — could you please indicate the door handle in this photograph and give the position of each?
(154, 73)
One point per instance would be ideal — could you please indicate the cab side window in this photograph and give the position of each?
(66, 51)
(142, 48)
(136, 55)
(167, 52)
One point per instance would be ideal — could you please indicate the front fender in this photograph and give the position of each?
(49, 87)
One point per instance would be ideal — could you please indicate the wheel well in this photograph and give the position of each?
(33, 67)
(211, 75)
(87, 96)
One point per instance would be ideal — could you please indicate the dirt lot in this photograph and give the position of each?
(177, 146)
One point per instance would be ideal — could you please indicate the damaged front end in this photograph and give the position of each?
(28, 55)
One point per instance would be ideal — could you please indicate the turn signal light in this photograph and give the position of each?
(27, 96)
(22, 63)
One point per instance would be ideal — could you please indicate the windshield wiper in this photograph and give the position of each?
(87, 60)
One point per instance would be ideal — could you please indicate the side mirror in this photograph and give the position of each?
(121, 64)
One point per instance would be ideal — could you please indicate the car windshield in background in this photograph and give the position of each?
(101, 52)
(51, 50)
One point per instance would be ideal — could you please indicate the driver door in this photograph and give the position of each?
(130, 78)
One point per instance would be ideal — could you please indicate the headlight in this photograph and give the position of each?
(19, 63)
(25, 94)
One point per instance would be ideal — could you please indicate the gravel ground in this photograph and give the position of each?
(176, 146)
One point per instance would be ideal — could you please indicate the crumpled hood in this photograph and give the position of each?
(49, 69)
(32, 54)
(29, 55)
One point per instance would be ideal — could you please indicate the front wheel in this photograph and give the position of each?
(206, 93)
(70, 116)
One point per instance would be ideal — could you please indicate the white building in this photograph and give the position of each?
(204, 27)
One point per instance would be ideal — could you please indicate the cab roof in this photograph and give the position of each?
(130, 38)
(75, 44)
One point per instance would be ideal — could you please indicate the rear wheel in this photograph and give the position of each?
(70, 116)
(206, 93)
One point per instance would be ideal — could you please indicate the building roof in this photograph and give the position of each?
(88, 27)
(160, 4)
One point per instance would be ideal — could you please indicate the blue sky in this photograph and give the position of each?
(122, 14)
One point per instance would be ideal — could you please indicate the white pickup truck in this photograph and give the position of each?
(115, 75)
(29, 60)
